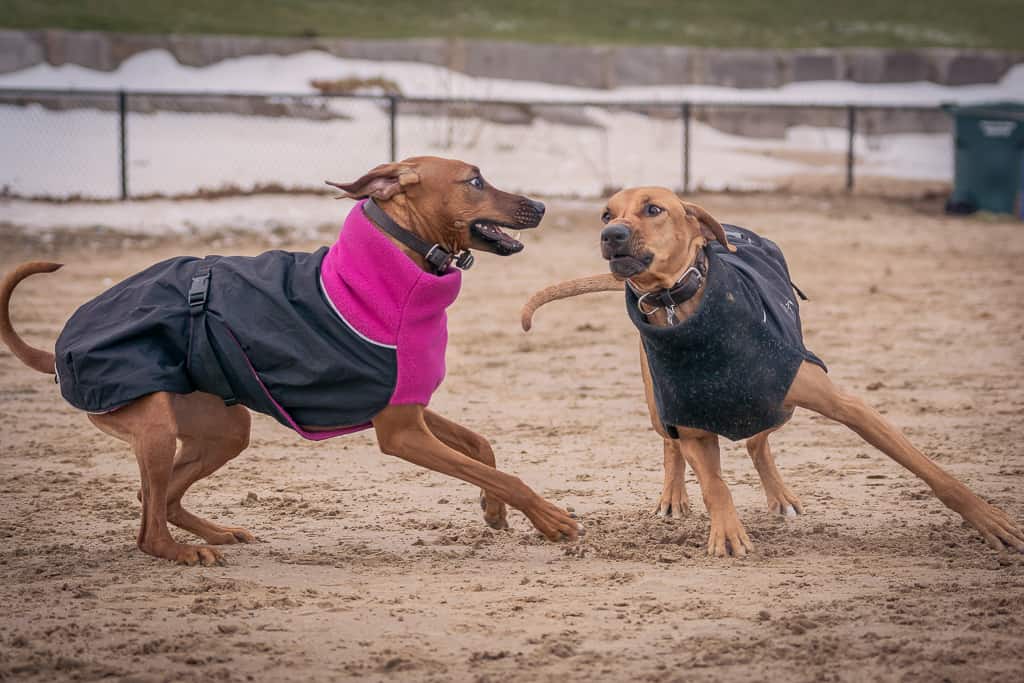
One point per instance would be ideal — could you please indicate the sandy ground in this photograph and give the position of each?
(368, 568)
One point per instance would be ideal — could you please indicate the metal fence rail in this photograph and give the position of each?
(124, 105)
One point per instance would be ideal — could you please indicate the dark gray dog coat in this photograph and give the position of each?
(143, 336)
(325, 339)
(727, 368)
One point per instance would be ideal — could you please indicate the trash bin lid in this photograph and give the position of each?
(1005, 111)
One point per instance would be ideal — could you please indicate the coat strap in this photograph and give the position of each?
(203, 364)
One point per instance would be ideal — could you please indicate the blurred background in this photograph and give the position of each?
(132, 100)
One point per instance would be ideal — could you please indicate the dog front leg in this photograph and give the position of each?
(402, 431)
(674, 502)
(474, 445)
(812, 389)
(727, 535)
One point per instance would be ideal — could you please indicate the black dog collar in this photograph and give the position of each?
(685, 288)
(437, 256)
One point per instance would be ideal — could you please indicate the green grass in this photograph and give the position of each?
(709, 23)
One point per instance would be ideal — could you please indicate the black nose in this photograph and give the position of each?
(538, 207)
(615, 236)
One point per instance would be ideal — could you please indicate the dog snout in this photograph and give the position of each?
(615, 240)
(529, 213)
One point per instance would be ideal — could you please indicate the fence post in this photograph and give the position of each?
(122, 110)
(851, 127)
(393, 120)
(686, 147)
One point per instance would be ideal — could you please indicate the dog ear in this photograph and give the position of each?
(383, 182)
(709, 227)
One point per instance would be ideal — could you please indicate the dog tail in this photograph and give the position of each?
(36, 359)
(605, 282)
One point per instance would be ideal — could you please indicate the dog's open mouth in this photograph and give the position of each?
(489, 236)
(628, 266)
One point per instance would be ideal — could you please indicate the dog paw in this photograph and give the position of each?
(198, 554)
(190, 555)
(213, 534)
(674, 509)
(495, 512)
(998, 530)
(784, 503)
(228, 535)
(674, 502)
(553, 522)
(727, 536)
(995, 526)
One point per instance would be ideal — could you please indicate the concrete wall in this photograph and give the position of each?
(594, 67)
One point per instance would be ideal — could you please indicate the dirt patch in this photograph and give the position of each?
(370, 568)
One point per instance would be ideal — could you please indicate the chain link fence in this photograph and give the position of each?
(114, 144)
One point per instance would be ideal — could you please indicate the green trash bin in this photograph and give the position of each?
(988, 142)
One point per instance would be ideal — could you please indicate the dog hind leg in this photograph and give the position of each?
(812, 389)
(150, 426)
(211, 435)
(196, 460)
(781, 500)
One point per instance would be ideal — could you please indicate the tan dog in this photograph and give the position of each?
(654, 241)
(446, 204)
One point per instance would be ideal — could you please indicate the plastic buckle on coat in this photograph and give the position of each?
(197, 293)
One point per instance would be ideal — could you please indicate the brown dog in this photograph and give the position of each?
(444, 204)
(659, 246)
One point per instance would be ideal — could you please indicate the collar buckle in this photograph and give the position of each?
(684, 289)
(465, 260)
(438, 257)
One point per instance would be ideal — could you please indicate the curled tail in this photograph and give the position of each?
(605, 282)
(36, 359)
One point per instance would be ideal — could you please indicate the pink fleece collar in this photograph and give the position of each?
(384, 296)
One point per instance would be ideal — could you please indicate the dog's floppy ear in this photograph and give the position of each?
(383, 182)
(709, 227)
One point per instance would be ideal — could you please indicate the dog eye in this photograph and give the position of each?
(477, 182)
(606, 216)
(652, 210)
